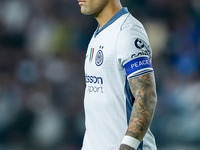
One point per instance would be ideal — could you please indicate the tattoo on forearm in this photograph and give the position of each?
(143, 89)
(125, 147)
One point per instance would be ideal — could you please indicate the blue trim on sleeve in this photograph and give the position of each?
(140, 73)
(113, 19)
(140, 147)
(138, 66)
(129, 100)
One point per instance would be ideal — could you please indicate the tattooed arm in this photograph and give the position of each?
(144, 90)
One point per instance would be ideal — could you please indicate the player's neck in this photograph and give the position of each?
(107, 13)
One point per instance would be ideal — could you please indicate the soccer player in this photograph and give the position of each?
(120, 95)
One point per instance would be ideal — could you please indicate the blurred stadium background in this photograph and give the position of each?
(42, 50)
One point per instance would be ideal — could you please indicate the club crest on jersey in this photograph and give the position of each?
(99, 58)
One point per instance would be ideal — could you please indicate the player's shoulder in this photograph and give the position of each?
(131, 23)
(131, 29)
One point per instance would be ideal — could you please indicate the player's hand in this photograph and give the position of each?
(125, 147)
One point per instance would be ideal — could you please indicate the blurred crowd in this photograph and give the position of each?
(42, 51)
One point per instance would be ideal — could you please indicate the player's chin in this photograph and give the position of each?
(86, 11)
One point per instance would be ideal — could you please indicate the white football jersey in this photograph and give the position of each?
(117, 52)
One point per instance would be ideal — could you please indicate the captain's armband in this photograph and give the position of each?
(138, 66)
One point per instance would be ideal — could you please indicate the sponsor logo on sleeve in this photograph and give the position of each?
(139, 43)
(144, 48)
(141, 53)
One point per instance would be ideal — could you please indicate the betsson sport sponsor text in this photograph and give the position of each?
(94, 84)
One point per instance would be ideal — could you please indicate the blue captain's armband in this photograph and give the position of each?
(138, 66)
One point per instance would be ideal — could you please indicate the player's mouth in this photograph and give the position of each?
(81, 2)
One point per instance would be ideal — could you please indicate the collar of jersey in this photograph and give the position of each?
(113, 19)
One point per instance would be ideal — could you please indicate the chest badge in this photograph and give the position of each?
(91, 54)
(99, 58)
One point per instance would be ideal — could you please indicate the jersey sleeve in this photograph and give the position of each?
(133, 51)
